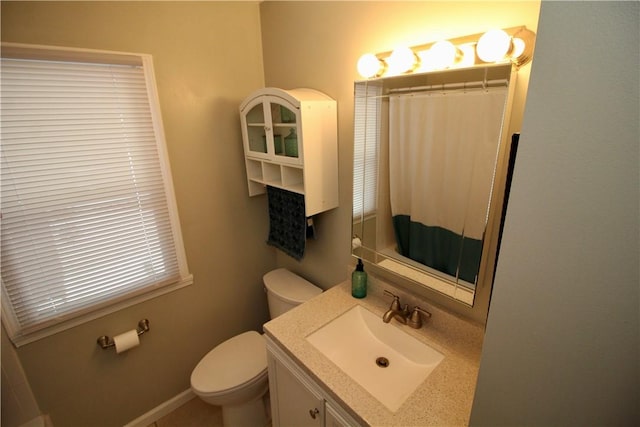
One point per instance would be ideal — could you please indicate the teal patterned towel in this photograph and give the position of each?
(287, 221)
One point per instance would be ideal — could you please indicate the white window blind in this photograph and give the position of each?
(88, 212)
(367, 106)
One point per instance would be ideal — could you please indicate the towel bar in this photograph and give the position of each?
(106, 342)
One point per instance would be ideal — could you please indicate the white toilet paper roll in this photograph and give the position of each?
(126, 341)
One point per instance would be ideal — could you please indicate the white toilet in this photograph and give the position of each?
(234, 374)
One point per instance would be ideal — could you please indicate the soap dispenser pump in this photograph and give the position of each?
(359, 281)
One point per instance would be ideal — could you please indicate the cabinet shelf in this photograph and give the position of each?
(261, 173)
(306, 163)
(284, 125)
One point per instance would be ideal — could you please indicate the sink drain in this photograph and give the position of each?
(382, 362)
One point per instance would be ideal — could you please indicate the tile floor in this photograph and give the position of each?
(194, 413)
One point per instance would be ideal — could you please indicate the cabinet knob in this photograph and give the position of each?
(313, 412)
(267, 128)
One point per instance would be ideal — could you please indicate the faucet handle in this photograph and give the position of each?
(405, 310)
(395, 304)
(386, 292)
(415, 320)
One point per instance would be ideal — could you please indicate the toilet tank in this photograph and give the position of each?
(286, 290)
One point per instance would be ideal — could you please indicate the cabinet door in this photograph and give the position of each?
(298, 406)
(255, 124)
(335, 418)
(287, 146)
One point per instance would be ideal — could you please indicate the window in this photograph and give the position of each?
(367, 110)
(89, 221)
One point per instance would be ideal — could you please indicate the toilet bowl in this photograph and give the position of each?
(234, 374)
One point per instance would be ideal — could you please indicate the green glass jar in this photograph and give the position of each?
(286, 115)
(359, 281)
(277, 142)
(291, 144)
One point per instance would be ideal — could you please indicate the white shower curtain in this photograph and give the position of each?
(442, 153)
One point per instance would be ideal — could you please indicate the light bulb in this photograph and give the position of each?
(518, 48)
(443, 54)
(401, 60)
(426, 64)
(370, 66)
(493, 46)
(468, 58)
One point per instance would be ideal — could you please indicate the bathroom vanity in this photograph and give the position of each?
(309, 389)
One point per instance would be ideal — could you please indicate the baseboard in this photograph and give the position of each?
(41, 421)
(161, 410)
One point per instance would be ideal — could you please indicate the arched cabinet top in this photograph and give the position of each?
(292, 96)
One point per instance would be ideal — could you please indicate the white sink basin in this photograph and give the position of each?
(357, 339)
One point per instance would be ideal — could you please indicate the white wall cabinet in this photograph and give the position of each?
(296, 400)
(290, 142)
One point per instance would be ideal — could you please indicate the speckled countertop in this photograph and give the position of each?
(443, 399)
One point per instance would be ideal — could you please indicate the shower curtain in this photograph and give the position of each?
(442, 154)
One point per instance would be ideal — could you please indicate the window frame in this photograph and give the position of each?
(367, 105)
(86, 314)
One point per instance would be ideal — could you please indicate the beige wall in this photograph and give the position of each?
(318, 44)
(207, 58)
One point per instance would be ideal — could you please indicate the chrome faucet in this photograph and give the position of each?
(404, 315)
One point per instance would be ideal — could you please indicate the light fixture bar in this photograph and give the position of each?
(514, 44)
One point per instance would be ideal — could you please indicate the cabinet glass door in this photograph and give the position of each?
(256, 130)
(285, 132)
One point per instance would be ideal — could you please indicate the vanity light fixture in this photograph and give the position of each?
(493, 46)
(522, 41)
(402, 60)
(468, 55)
(370, 66)
(497, 45)
(443, 54)
(512, 44)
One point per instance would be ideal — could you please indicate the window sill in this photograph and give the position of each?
(20, 340)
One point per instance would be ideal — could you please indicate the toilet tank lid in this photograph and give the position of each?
(290, 286)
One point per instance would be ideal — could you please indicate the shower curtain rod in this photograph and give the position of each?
(480, 84)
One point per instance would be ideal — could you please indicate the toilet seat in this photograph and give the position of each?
(234, 364)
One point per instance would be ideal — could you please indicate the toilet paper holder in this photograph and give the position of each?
(106, 342)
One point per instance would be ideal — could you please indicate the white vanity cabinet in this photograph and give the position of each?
(290, 142)
(296, 400)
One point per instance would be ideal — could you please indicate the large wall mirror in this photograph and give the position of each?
(431, 155)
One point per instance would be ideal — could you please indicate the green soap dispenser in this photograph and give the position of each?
(359, 281)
